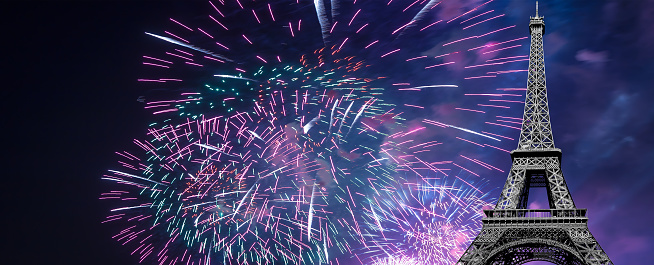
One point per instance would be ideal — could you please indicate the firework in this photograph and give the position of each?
(250, 186)
(276, 140)
(429, 220)
(193, 196)
(392, 260)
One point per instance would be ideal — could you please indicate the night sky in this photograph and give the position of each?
(70, 90)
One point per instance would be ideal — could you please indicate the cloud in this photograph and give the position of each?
(536, 205)
(592, 57)
(553, 43)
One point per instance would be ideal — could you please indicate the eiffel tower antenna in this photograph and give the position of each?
(511, 234)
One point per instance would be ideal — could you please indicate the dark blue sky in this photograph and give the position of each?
(69, 103)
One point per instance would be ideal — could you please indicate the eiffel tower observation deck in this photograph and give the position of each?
(513, 234)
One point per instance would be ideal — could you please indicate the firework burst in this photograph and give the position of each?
(269, 147)
(210, 189)
(252, 186)
(429, 220)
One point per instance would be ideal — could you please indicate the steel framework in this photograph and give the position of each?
(512, 234)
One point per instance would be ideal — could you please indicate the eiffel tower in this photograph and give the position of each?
(513, 234)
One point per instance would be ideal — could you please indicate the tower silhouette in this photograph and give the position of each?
(513, 234)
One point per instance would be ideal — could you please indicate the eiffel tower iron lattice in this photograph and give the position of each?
(513, 234)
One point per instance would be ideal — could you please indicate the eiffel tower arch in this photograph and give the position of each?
(511, 234)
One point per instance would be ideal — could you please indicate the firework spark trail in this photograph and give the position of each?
(189, 46)
(311, 211)
(322, 18)
(234, 77)
(331, 117)
(430, 5)
(356, 118)
(310, 124)
(347, 111)
(473, 132)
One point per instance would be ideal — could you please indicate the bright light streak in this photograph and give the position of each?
(189, 46)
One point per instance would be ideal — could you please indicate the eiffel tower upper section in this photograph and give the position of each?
(536, 151)
(536, 133)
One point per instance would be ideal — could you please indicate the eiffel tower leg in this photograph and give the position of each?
(588, 247)
(514, 186)
(481, 247)
(558, 190)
